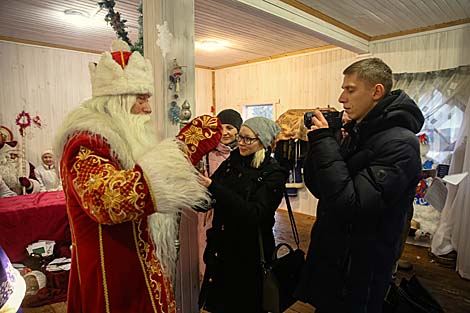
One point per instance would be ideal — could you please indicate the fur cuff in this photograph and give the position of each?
(173, 180)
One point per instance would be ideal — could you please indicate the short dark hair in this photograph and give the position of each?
(373, 71)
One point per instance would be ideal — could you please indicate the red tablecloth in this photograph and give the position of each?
(29, 218)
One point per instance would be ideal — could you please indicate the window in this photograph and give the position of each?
(442, 97)
(252, 110)
(442, 125)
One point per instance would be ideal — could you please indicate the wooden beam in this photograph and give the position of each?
(277, 56)
(205, 67)
(421, 29)
(48, 45)
(325, 18)
(214, 107)
(344, 36)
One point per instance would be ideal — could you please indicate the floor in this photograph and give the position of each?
(60, 307)
(452, 292)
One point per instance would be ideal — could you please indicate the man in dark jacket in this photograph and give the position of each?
(365, 188)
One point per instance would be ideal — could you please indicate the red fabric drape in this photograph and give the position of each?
(29, 218)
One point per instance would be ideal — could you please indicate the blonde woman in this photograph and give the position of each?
(247, 188)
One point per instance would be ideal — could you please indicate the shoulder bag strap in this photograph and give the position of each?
(292, 219)
(261, 247)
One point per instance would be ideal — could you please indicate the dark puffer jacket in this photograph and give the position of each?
(365, 188)
(246, 199)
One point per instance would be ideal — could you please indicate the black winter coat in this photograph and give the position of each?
(365, 188)
(246, 199)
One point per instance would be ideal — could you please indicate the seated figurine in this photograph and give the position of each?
(12, 172)
(4, 190)
(47, 173)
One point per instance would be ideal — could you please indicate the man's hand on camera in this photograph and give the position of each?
(318, 121)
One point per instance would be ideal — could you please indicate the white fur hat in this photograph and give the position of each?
(121, 72)
(48, 151)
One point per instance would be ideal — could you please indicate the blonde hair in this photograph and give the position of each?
(258, 158)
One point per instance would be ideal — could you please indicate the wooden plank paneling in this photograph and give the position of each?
(304, 81)
(203, 91)
(252, 33)
(376, 18)
(50, 82)
(426, 52)
(42, 81)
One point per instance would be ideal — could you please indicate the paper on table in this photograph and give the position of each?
(60, 264)
(41, 247)
(455, 179)
(436, 194)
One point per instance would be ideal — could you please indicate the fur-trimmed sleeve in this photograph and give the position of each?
(105, 191)
(173, 180)
(123, 193)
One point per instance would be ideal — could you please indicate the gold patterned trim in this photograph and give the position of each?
(144, 271)
(153, 269)
(72, 230)
(103, 268)
(123, 196)
(201, 128)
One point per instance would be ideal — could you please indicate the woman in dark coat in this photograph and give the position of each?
(247, 188)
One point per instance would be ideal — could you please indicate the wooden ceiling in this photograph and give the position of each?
(254, 29)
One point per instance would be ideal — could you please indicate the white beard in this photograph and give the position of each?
(131, 137)
(138, 132)
(163, 228)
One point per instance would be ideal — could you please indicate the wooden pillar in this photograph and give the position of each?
(179, 16)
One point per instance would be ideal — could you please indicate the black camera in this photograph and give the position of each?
(332, 117)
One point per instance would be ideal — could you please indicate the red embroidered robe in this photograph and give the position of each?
(114, 268)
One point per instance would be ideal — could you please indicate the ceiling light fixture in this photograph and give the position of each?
(211, 45)
(75, 12)
(82, 19)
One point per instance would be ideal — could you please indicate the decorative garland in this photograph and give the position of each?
(119, 25)
(23, 120)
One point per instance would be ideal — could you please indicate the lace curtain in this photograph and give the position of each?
(443, 96)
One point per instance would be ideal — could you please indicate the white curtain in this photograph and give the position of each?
(453, 232)
(444, 97)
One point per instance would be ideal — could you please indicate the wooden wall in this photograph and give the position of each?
(315, 79)
(42, 81)
(50, 82)
(430, 51)
(304, 81)
(203, 91)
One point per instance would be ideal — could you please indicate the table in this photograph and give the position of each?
(28, 218)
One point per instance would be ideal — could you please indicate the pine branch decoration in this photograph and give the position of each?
(139, 44)
(119, 25)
